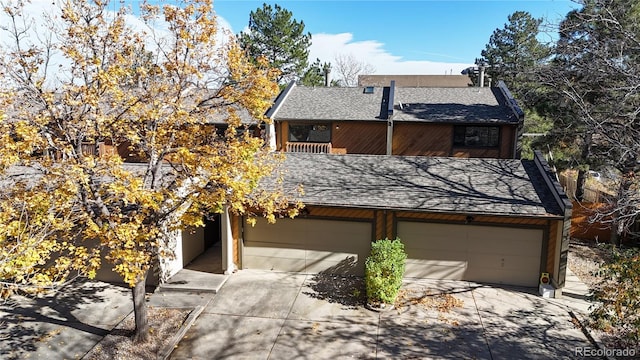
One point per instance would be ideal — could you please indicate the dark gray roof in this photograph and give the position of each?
(459, 105)
(425, 104)
(449, 185)
(331, 103)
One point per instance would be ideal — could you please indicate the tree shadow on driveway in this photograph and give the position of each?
(62, 324)
(345, 290)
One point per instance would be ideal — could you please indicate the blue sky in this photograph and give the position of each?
(400, 36)
(394, 37)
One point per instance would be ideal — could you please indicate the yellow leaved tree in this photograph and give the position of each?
(139, 131)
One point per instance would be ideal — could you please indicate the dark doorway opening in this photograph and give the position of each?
(212, 231)
(210, 260)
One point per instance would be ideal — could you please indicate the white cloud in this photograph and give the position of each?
(326, 46)
(42, 19)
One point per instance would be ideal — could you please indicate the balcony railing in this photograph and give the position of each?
(308, 147)
(88, 149)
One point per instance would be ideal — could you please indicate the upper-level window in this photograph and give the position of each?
(476, 136)
(310, 133)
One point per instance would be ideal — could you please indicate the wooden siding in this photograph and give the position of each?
(236, 233)
(360, 137)
(409, 139)
(282, 134)
(507, 138)
(347, 213)
(551, 248)
(419, 139)
(480, 219)
(380, 225)
(391, 231)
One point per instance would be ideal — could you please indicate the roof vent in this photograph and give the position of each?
(368, 89)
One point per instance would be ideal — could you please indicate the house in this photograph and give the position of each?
(392, 120)
(416, 80)
(452, 188)
(487, 220)
(503, 221)
(448, 183)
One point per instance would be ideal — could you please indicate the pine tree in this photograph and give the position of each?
(275, 35)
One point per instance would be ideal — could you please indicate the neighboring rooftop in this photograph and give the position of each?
(415, 80)
(447, 185)
(425, 104)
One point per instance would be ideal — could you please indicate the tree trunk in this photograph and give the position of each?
(615, 236)
(582, 179)
(140, 311)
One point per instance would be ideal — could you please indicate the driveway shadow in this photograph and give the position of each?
(73, 318)
(345, 290)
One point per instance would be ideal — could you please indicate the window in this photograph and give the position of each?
(319, 133)
(476, 136)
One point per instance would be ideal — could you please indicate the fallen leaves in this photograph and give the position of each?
(442, 302)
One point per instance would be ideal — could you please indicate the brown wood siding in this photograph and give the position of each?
(340, 213)
(551, 248)
(391, 231)
(360, 137)
(476, 218)
(420, 139)
(507, 134)
(283, 130)
(381, 225)
(235, 234)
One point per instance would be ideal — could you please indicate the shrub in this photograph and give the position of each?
(384, 270)
(617, 297)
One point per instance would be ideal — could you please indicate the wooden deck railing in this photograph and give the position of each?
(88, 148)
(308, 147)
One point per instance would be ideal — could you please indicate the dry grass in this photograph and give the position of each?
(428, 300)
(163, 324)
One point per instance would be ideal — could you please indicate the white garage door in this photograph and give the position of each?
(477, 253)
(307, 245)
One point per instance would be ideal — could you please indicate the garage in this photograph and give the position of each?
(492, 254)
(307, 246)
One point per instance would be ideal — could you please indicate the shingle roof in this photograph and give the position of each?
(449, 185)
(466, 105)
(331, 103)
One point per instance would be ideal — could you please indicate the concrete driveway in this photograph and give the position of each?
(267, 315)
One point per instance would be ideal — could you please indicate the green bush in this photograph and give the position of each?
(384, 270)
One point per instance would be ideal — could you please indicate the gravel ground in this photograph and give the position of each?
(163, 324)
(585, 257)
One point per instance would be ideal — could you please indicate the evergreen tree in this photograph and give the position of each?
(513, 52)
(318, 75)
(275, 35)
